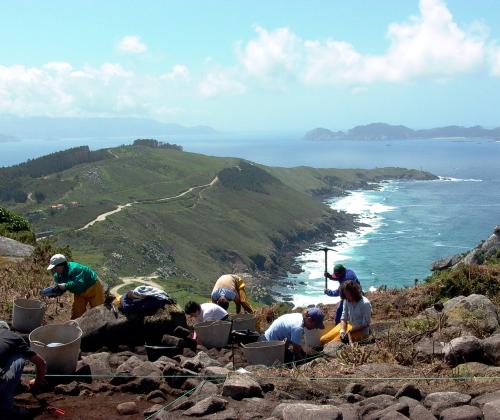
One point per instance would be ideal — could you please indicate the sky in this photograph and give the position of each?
(254, 65)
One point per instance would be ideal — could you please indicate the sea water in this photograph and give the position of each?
(407, 225)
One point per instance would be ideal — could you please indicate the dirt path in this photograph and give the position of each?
(146, 280)
(120, 207)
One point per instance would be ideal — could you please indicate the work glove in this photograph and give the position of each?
(53, 291)
(344, 338)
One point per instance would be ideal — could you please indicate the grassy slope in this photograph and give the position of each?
(199, 236)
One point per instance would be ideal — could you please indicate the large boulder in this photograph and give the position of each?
(103, 327)
(491, 410)
(474, 312)
(241, 386)
(463, 349)
(440, 401)
(96, 366)
(464, 412)
(207, 406)
(486, 249)
(304, 411)
(491, 347)
(10, 248)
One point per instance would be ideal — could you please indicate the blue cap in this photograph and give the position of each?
(317, 316)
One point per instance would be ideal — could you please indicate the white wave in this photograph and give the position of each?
(302, 301)
(451, 179)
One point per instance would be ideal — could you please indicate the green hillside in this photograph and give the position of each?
(237, 215)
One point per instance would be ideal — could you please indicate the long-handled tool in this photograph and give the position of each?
(325, 250)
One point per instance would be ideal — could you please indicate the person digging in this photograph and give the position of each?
(231, 287)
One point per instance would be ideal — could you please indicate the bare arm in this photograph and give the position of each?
(41, 369)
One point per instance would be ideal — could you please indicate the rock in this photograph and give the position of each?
(11, 248)
(464, 412)
(483, 399)
(376, 403)
(491, 410)
(191, 364)
(116, 359)
(190, 383)
(101, 328)
(463, 349)
(168, 340)
(127, 408)
(491, 347)
(419, 412)
(182, 332)
(399, 407)
(188, 353)
(151, 411)
(351, 398)
(176, 376)
(241, 386)
(304, 411)
(229, 414)
(205, 360)
(97, 365)
(409, 401)
(205, 389)
(355, 388)
(459, 309)
(484, 250)
(332, 348)
(393, 415)
(381, 388)
(215, 374)
(439, 401)
(207, 406)
(446, 262)
(427, 349)
(476, 369)
(349, 412)
(409, 390)
(155, 395)
(73, 388)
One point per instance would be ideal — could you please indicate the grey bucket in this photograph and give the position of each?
(213, 333)
(27, 314)
(59, 345)
(243, 322)
(266, 353)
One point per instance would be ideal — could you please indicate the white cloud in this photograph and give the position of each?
(58, 89)
(178, 72)
(431, 45)
(270, 52)
(218, 82)
(131, 44)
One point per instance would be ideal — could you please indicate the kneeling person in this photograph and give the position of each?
(231, 287)
(356, 315)
(290, 327)
(205, 312)
(80, 280)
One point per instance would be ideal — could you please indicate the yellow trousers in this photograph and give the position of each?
(334, 334)
(93, 296)
(240, 287)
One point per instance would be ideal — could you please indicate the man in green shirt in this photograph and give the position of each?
(80, 280)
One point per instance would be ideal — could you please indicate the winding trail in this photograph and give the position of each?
(102, 217)
(147, 280)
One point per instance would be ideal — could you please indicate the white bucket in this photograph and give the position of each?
(312, 337)
(27, 314)
(243, 322)
(213, 333)
(265, 352)
(59, 345)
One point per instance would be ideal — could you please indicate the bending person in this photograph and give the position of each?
(231, 287)
(290, 327)
(356, 316)
(205, 312)
(80, 280)
(340, 274)
(13, 354)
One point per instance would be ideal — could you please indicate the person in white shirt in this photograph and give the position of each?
(205, 312)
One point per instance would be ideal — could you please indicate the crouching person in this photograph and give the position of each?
(205, 312)
(290, 327)
(356, 316)
(13, 353)
(80, 280)
(231, 287)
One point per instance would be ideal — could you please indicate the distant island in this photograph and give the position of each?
(382, 131)
(50, 128)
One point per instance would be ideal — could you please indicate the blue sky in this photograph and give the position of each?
(254, 65)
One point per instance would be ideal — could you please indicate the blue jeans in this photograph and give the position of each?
(13, 369)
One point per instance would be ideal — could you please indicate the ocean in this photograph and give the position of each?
(408, 224)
